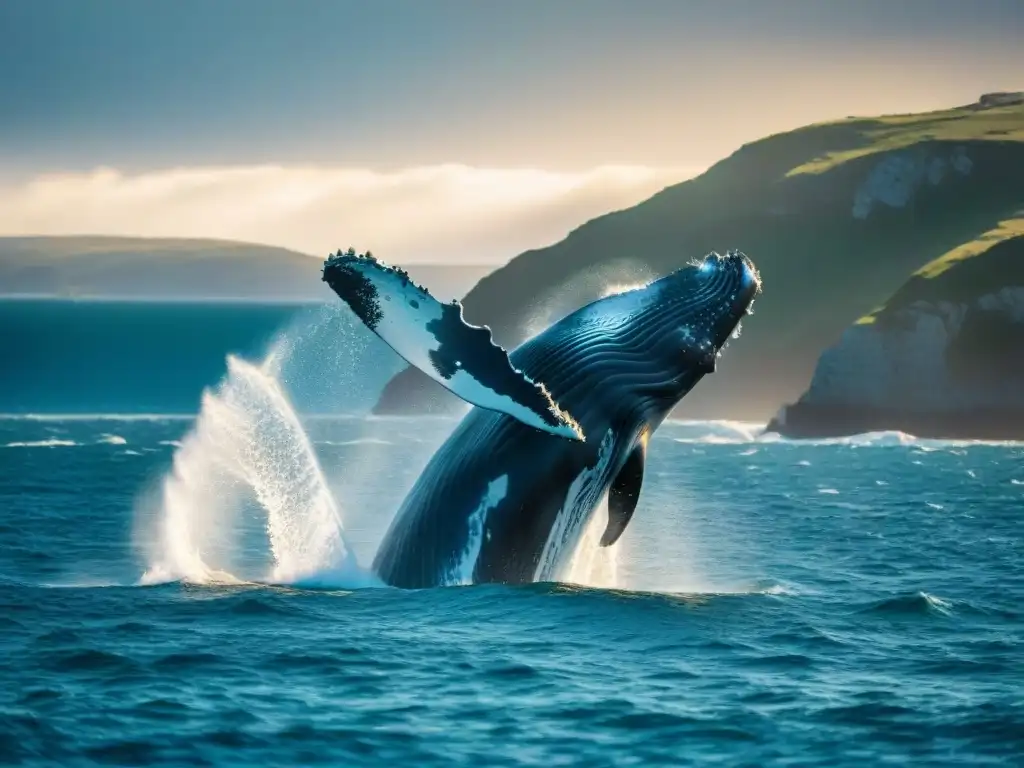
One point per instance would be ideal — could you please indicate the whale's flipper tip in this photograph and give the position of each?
(436, 339)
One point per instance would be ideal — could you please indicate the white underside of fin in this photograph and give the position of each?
(408, 317)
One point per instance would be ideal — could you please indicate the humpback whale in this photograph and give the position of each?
(559, 423)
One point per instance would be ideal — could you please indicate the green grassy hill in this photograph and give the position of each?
(835, 216)
(154, 268)
(991, 261)
(182, 269)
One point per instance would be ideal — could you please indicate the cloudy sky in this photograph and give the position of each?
(438, 130)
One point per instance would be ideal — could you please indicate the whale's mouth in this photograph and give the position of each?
(747, 287)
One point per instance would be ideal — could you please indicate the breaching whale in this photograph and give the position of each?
(560, 422)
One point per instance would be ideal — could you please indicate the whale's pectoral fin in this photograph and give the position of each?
(435, 338)
(624, 494)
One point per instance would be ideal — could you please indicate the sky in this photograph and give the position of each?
(439, 130)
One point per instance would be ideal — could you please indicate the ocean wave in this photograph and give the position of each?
(155, 417)
(82, 584)
(916, 604)
(345, 579)
(882, 438)
(110, 439)
(87, 660)
(187, 660)
(715, 431)
(727, 432)
(257, 606)
(51, 443)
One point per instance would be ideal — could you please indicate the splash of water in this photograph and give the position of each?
(593, 565)
(247, 468)
(572, 552)
(248, 445)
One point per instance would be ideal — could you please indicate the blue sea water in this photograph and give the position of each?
(848, 603)
(179, 590)
(95, 356)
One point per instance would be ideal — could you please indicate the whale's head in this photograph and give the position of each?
(676, 326)
(705, 302)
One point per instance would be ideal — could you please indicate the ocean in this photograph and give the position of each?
(180, 590)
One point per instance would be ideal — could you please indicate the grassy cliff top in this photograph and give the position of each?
(882, 134)
(992, 261)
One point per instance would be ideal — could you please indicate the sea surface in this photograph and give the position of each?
(127, 356)
(841, 603)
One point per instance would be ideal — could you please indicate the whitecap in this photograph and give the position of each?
(52, 443)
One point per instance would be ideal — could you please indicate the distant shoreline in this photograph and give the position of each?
(805, 421)
(100, 299)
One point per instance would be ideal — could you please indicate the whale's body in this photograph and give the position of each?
(488, 502)
(506, 498)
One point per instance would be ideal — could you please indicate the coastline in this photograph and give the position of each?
(803, 420)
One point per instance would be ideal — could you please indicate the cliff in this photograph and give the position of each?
(944, 357)
(835, 216)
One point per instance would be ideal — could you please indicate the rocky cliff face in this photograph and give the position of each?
(895, 179)
(934, 366)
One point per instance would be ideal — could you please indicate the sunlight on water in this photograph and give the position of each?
(593, 565)
(614, 289)
(567, 535)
